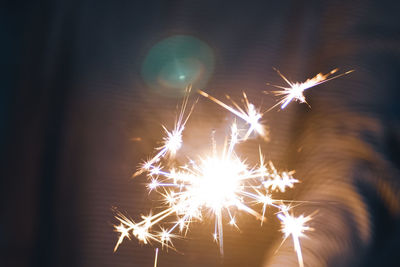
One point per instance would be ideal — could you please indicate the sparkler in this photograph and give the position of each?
(295, 91)
(218, 185)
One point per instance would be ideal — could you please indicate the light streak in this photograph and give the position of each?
(156, 258)
(172, 140)
(295, 91)
(295, 227)
(249, 114)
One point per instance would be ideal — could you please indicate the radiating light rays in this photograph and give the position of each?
(123, 230)
(294, 227)
(156, 257)
(215, 186)
(249, 114)
(279, 180)
(295, 91)
(172, 140)
(220, 185)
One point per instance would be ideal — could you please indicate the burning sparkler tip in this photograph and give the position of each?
(220, 184)
(203, 93)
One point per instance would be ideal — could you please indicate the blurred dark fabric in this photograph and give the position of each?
(73, 101)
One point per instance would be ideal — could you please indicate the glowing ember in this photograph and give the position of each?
(295, 91)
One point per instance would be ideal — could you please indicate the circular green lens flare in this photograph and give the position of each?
(176, 62)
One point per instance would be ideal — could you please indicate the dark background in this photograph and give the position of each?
(73, 100)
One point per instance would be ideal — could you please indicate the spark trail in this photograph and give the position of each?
(295, 91)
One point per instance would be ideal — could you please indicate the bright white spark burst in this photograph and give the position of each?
(220, 184)
(172, 141)
(249, 114)
(295, 227)
(295, 91)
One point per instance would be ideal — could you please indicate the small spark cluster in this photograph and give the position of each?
(295, 91)
(219, 185)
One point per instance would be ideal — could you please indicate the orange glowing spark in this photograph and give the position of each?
(295, 91)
